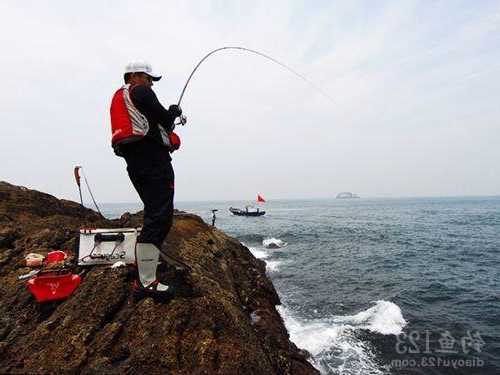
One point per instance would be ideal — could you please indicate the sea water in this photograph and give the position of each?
(379, 286)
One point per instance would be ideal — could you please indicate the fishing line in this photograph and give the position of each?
(90, 191)
(257, 53)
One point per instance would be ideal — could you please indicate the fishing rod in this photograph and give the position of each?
(77, 178)
(77, 171)
(259, 54)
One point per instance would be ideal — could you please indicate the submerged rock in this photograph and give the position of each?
(206, 328)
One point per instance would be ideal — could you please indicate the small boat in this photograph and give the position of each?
(246, 212)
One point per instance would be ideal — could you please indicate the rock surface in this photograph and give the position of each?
(222, 320)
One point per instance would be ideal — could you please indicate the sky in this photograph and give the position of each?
(415, 88)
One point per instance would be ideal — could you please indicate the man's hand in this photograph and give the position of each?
(175, 110)
(183, 119)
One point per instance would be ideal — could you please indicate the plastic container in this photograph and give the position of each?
(34, 260)
(53, 286)
(55, 256)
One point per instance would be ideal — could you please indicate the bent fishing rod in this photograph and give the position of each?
(256, 53)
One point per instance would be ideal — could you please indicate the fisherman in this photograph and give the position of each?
(142, 133)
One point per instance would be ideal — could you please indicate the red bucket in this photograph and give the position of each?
(53, 286)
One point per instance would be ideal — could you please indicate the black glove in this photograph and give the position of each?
(175, 110)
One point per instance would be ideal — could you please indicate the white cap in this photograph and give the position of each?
(141, 67)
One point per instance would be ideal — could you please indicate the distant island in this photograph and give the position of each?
(346, 195)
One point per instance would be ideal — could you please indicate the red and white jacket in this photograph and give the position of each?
(129, 124)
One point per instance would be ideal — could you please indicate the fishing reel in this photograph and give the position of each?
(182, 120)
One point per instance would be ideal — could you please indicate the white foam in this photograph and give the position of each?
(272, 265)
(315, 335)
(334, 346)
(385, 318)
(273, 243)
(259, 253)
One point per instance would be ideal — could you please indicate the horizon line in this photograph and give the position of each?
(324, 198)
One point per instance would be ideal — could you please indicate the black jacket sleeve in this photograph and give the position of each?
(147, 103)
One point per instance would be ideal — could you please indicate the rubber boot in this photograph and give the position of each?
(147, 256)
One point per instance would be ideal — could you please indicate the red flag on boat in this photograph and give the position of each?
(260, 199)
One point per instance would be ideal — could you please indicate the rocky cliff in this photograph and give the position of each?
(222, 319)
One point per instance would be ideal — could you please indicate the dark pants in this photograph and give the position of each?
(151, 173)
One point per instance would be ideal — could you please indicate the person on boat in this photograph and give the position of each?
(142, 133)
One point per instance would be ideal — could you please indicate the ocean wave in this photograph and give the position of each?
(259, 253)
(252, 238)
(272, 265)
(385, 318)
(334, 349)
(333, 344)
(273, 243)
